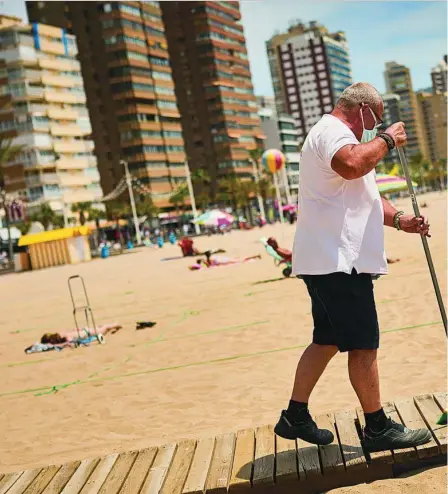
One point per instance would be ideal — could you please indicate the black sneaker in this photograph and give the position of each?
(306, 430)
(394, 436)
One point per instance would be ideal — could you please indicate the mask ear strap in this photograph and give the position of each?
(362, 118)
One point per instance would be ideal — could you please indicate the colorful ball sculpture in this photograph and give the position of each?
(273, 160)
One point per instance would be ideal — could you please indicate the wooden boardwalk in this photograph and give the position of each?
(246, 461)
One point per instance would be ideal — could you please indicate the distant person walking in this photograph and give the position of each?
(338, 248)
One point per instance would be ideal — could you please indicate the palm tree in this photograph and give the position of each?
(47, 217)
(146, 207)
(179, 196)
(8, 152)
(82, 208)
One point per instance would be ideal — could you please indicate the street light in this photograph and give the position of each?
(131, 197)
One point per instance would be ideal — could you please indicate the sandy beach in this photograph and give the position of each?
(221, 357)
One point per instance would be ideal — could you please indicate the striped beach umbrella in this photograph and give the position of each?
(390, 183)
(215, 217)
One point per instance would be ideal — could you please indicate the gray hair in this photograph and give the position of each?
(356, 94)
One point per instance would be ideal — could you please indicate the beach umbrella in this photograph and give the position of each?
(215, 217)
(390, 183)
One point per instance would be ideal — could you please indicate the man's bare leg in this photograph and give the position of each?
(296, 421)
(363, 372)
(309, 369)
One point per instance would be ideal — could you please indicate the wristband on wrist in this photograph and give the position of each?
(397, 217)
(388, 139)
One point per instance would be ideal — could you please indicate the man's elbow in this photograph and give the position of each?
(348, 170)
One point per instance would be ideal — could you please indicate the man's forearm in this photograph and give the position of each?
(389, 212)
(357, 160)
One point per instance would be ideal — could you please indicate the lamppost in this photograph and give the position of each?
(257, 179)
(192, 199)
(131, 198)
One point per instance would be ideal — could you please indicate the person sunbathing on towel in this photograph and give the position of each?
(71, 336)
(210, 262)
(285, 254)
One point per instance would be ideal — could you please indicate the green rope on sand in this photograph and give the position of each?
(54, 389)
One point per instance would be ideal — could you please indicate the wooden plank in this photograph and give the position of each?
(352, 452)
(400, 455)
(180, 465)
(412, 420)
(377, 456)
(8, 480)
(80, 477)
(430, 412)
(221, 464)
(139, 470)
(24, 481)
(197, 476)
(159, 469)
(264, 462)
(43, 479)
(285, 460)
(118, 473)
(308, 458)
(61, 478)
(331, 456)
(243, 460)
(441, 400)
(99, 475)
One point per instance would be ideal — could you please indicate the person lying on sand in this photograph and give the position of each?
(283, 253)
(70, 336)
(210, 262)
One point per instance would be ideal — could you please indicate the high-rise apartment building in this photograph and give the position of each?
(391, 115)
(310, 68)
(281, 133)
(213, 85)
(130, 92)
(268, 103)
(439, 75)
(433, 109)
(398, 81)
(45, 112)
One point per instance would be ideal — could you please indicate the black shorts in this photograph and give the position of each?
(344, 311)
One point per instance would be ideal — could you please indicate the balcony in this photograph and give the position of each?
(75, 179)
(81, 195)
(56, 113)
(69, 163)
(57, 64)
(63, 146)
(69, 130)
(42, 179)
(63, 97)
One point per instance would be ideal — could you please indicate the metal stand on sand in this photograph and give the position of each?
(432, 271)
(85, 308)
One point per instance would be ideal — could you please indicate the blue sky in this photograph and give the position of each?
(413, 33)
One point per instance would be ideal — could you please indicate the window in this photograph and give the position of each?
(107, 7)
(294, 106)
(290, 82)
(128, 9)
(159, 61)
(161, 75)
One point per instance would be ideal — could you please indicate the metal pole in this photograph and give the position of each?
(192, 199)
(432, 271)
(279, 198)
(257, 180)
(286, 182)
(131, 197)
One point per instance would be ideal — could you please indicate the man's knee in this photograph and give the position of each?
(326, 349)
(363, 355)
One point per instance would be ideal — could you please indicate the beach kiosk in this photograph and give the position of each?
(57, 247)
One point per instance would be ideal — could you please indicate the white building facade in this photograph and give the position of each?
(45, 112)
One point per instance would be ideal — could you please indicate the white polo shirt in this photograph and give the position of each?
(339, 222)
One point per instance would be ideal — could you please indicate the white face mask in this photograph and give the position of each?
(369, 135)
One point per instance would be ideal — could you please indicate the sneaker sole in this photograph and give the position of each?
(413, 445)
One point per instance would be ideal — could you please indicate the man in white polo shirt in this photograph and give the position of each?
(338, 249)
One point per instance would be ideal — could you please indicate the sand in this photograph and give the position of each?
(221, 357)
